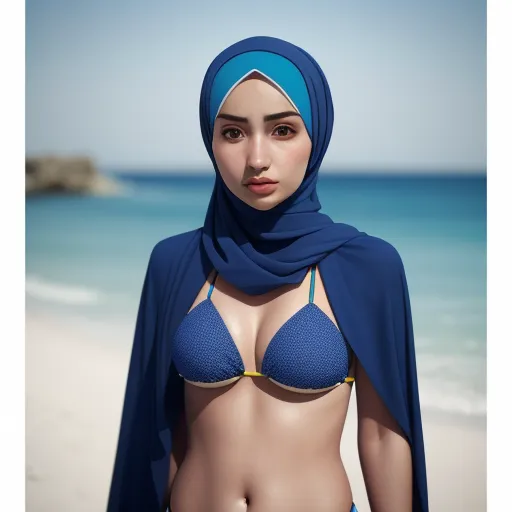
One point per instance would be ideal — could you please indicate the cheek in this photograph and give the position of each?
(229, 160)
(303, 153)
(294, 161)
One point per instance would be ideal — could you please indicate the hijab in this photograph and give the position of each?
(259, 251)
(364, 279)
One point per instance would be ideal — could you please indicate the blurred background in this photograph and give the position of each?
(116, 162)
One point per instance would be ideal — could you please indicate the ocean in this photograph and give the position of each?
(86, 258)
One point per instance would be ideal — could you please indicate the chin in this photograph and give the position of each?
(262, 203)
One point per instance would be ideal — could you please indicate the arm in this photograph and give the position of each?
(384, 452)
(179, 448)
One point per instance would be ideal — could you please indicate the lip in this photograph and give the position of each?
(259, 181)
(262, 188)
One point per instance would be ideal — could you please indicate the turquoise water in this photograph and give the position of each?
(87, 257)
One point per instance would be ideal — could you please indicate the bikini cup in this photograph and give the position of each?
(308, 354)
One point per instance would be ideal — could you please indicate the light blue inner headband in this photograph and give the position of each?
(275, 67)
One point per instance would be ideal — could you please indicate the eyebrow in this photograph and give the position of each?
(270, 117)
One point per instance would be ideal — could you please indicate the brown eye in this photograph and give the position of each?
(232, 133)
(283, 131)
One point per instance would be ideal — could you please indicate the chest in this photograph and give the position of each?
(254, 321)
(289, 336)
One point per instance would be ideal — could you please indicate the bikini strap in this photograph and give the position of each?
(312, 285)
(210, 291)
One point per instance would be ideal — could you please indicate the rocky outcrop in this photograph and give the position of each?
(66, 175)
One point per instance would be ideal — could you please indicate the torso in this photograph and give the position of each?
(253, 445)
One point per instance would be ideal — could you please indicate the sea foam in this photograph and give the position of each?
(42, 289)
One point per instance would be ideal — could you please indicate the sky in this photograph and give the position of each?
(120, 80)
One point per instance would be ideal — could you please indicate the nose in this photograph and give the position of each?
(258, 156)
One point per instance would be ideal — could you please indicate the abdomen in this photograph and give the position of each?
(256, 447)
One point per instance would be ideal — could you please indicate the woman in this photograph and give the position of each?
(252, 329)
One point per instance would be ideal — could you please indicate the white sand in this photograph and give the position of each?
(74, 390)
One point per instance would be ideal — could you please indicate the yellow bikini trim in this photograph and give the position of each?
(258, 374)
(253, 374)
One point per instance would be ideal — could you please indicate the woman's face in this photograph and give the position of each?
(260, 144)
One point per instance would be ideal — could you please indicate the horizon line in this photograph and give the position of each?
(331, 171)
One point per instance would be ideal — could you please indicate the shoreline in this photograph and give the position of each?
(75, 382)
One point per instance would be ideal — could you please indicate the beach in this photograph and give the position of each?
(86, 258)
(389, 130)
(75, 379)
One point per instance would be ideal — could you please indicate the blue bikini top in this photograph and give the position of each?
(308, 353)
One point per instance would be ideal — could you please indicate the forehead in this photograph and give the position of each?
(284, 73)
(254, 94)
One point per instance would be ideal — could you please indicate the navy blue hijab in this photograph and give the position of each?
(363, 276)
(258, 251)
